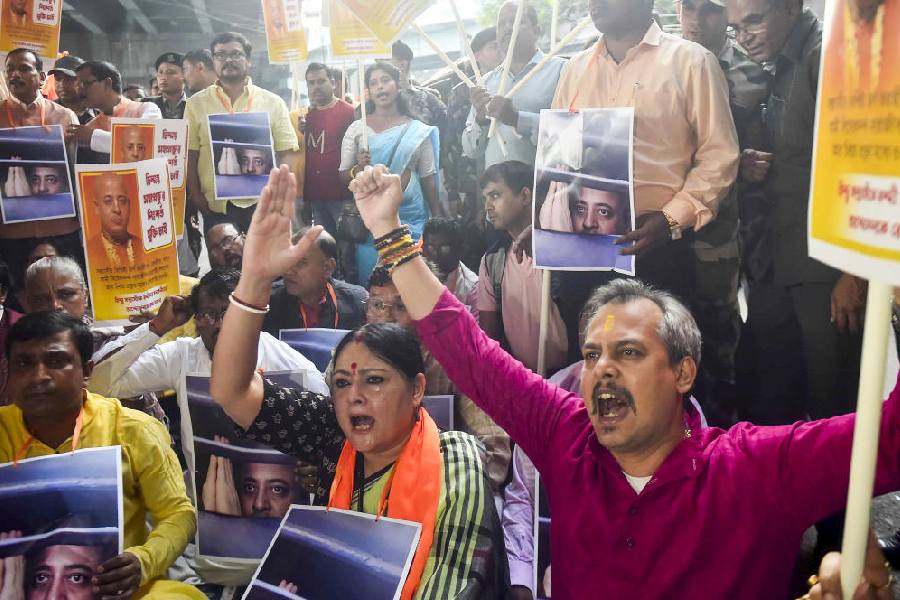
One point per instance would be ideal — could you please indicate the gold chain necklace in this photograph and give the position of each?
(851, 48)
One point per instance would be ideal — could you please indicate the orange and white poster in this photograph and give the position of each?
(350, 38)
(134, 140)
(129, 237)
(32, 24)
(387, 18)
(284, 30)
(854, 216)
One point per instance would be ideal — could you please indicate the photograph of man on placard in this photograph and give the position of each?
(583, 197)
(243, 154)
(34, 174)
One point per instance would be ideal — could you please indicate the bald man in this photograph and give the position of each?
(114, 243)
(133, 148)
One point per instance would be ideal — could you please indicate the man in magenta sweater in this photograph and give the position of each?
(644, 504)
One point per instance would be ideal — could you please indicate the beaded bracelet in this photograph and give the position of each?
(405, 260)
(399, 252)
(392, 236)
(402, 256)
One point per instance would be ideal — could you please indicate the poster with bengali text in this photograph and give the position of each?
(285, 36)
(350, 38)
(32, 24)
(134, 140)
(854, 213)
(387, 18)
(129, 237)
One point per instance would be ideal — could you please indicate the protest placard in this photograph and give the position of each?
(285, 36)
(134, 140)
(35, 174)
(242, 153)
(583, 197)
(320, 554)
(243, 488)
(32, 24)
(386, 19)
(854, 213)
(61, 516)
(129, 237)
(350, 38)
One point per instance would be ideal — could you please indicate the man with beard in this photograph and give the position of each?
(518, 117)
(225, 246)
(233, 92)
(312, 297)
(26, 106)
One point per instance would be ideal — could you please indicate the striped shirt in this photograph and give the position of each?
(467, 559)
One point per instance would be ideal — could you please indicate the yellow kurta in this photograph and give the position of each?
(152, 481)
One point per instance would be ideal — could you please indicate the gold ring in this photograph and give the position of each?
(813, 580)
(890, 580)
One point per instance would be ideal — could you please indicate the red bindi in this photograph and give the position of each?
(353, 367)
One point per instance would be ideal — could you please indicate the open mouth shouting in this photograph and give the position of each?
(612, 403)
(362, 423)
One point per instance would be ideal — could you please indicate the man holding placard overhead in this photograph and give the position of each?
(234, 92)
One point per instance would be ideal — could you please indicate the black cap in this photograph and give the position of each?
(66, 65)
(170, 57)
(483, 38)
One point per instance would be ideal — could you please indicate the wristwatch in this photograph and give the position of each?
(674, 227)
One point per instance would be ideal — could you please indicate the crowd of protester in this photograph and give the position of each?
(411, 229)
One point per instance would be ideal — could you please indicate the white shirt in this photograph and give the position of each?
(133, 364)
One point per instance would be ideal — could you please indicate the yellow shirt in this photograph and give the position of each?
(214, 100)
(152, 480)
(685, 144)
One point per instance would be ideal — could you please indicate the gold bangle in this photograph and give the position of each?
(353, 171)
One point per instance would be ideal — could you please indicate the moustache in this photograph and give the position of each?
(608, 397)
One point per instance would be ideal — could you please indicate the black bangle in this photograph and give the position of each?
(404, 260)
(391, 237)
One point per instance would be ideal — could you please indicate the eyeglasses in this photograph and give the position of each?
(380, 306)
(235, 55)
(228, 241)
(209, 317)
(753, 24)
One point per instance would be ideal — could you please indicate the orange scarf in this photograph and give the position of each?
(416, 477)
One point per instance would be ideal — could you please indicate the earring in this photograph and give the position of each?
(418, 413)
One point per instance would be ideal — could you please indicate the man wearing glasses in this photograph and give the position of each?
(234, 92)
(225, 245)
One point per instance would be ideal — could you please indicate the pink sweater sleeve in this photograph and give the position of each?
(528, 407)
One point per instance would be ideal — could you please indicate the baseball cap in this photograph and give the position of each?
(170, 57)
(66, 66)
(483, 38)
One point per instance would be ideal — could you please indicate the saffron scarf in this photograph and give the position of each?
(416, 479)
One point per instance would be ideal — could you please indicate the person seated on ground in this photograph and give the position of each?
(225, 246)
(385, 306)
(52, 413)
(628, 444)
(311, 297)
(442, 246)
(374, 423)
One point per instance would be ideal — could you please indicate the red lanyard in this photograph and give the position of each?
(9, 114)
(227, 103)
(337, 317)
(76, 435)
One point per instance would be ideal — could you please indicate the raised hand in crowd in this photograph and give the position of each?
(755, 165)
(652, 231)
(502, 108)
(876, 581)
(219, 492)
(174, 312)
(480, 98)
(119, 577)
(12, 572)
(848, 303)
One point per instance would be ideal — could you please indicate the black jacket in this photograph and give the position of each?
(284, 309)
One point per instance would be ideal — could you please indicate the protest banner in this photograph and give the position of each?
(386, 19)
(134, 140)
(61, 516)
(243, 153)
(320, 554)
(32, 24)
(34, 170)
(285, 36)
(854, 212)
(583, 199)
(242, 488)
(129, 237)
(350, 38)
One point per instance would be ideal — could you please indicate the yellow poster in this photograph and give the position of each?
(350, 39)
(387, 18)
(284, 30)
(134, 140)
(32, 24)
(129, 238)
(854, 217)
